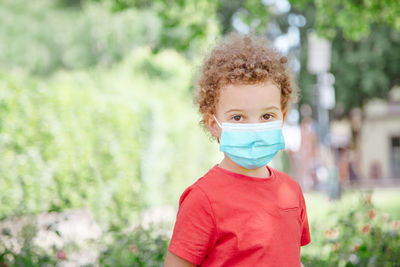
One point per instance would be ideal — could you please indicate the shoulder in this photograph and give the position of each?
(199, 189)
(211, 179)
(193, 193)
(195, 203)
(206, 186)
(287, 180)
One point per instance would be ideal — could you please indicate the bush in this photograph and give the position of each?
(361, 236)
(141, 247)
(116, 140)
(44, 36)
(23, 252)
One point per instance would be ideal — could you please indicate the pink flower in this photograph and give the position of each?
(332, 234)
(355, 247)
(327, 234)
(371, 214)
(335, 233)
(368, 199)
(134, 249)
(385, 217)
(336, 247)
(366, 228)
(395, 224)
(61, 255)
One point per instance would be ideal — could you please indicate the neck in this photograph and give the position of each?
(229, 165)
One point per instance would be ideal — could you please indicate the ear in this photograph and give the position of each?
(284, 115)
(212, 125)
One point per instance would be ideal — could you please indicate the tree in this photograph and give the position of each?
(365, 38)
(353, 19)
(364, 68)
(186, 25)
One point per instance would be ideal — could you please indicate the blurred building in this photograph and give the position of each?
(379, 144)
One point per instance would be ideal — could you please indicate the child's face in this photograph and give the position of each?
(246, 103)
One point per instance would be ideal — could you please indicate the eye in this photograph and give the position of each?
(237, 117)
(267, 116)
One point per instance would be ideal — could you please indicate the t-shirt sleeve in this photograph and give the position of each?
(305, 234)
(194, 232)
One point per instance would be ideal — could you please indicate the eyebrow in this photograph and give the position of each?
(237, 109)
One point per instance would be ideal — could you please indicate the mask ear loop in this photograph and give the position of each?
(218, 125)
(217, 122)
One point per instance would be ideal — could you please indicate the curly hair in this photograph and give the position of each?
(247, 59)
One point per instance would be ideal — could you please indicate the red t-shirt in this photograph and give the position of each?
(230, 219)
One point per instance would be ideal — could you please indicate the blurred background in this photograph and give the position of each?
(99, 135)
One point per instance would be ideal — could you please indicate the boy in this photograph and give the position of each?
(242, 212)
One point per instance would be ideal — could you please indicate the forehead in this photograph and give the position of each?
(249, 96)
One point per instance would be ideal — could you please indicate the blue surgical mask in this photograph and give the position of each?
(251, 145)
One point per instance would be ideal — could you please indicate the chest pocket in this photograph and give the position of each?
(293, 211)
(291, 219)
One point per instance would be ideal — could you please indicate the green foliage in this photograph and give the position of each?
(43, 36)
(115, 140)
(363, 69)
(186, 26)
(27, 254)
(353, 18)
(140, 247)
(368, 68)
(357, 236)
(252, 12)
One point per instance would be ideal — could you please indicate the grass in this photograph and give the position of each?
(321, 209)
